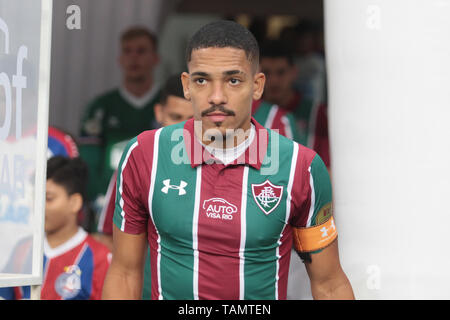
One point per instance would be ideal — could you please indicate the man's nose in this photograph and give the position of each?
(217, 95)
(133, 54)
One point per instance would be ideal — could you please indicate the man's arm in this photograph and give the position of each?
(328, 280)
(315, 233)
(124, 279)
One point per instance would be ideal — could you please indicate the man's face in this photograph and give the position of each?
(221, 85)
(175, 110)
(138, 58)
(60, 207)
(280, 78)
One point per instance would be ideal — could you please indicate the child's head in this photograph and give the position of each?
(65, 191)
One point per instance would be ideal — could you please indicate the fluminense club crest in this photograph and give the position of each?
(267, 196)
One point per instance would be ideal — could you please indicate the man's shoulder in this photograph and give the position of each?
(164, 135)
(144, 141)
(147, 136)
(111, 93)
(265, 105)
(285, 144)
(262, 110)
(267, 109)
(303, 101)
(105, 98)
(160, 142)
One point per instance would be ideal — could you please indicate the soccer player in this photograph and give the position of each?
(280, 98)
(75, 264)
(219, 198)
(268, 113)
(113, 118)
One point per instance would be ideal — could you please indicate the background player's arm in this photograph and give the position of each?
(328, 280)
(125, 275)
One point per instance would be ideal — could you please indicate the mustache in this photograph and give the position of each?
(218, 107)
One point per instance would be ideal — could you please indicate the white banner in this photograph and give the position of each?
(24, 83)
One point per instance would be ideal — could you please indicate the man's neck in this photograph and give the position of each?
(61, 236)
(138, 88)
(229, 153)
(231, 140)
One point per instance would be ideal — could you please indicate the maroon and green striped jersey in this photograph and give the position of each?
(273, 117)
(219, 231)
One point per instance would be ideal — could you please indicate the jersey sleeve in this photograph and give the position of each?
(131, 212)
(313, 222)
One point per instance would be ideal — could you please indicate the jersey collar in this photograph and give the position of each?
(78, 238)
(139, 102)
(253, 156)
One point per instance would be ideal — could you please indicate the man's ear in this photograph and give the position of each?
(259, 81)
(76, 202)
(294, 72)
(185, 82)
(156, 59)
(158, 113)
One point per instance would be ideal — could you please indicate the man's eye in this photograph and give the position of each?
(200, 81)
(235, 81)
(281, 72)
(175, 117)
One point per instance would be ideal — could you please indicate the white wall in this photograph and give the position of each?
(175, 34)
(389, 72)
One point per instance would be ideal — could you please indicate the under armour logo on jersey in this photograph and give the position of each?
(180, 188)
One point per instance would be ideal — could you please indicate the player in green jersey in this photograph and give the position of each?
(113, 118)
(278, 65)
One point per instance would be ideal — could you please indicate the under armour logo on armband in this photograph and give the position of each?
(325, 230)
(180, 188)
